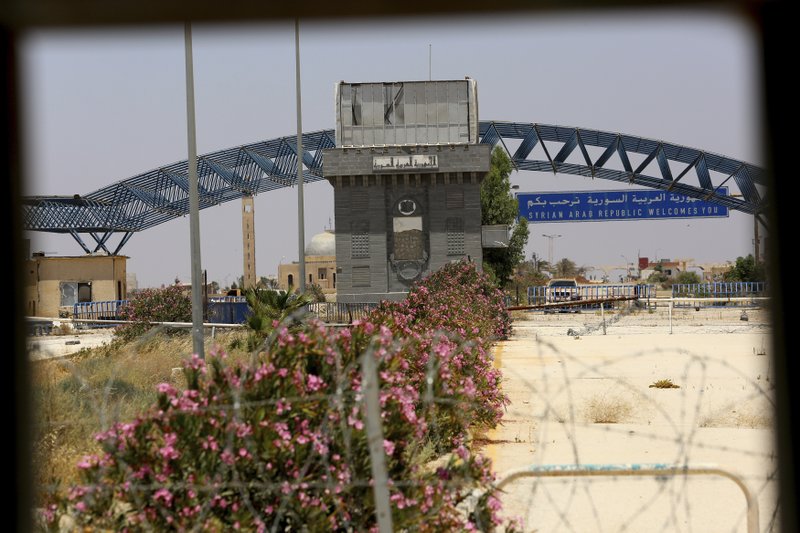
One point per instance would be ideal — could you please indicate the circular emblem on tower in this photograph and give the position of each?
(407, 206)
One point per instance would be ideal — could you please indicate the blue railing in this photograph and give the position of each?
(231, 310)
(538, 295)
(724, 289)
(106, 310)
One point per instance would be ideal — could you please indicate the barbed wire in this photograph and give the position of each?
(551, 377)
(551, 382)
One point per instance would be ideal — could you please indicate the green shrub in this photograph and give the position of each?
(170, 304)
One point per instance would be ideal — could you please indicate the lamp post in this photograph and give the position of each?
(194, 201)
(301, 243)
(550, 247)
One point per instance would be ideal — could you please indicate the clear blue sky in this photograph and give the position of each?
(102, 106)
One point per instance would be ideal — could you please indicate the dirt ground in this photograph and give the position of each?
(54, 346)
(582, 397)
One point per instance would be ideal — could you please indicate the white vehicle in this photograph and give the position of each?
(562, 290)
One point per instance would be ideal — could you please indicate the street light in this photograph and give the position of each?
(550, 246)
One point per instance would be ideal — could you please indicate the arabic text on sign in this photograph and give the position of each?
(405, 162)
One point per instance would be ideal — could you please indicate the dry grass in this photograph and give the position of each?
(63, 329)
(664, 384)
(76, 398)
(607, 409)
(743, 418)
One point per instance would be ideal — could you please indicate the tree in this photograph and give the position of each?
(268, 306)
(267, 283)
(659, 278)
(526, 275)
(687, 278)
(314, 291)
(566, 268)
(542, 265)
(499, 206)
(746, 269)
(170, 304)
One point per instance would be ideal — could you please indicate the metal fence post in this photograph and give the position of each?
(380, 485)
(603, 316)
(670, 316)
(610, 470)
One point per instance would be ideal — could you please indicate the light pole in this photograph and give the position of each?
(194, 201)
(550, 247)
(301, 237)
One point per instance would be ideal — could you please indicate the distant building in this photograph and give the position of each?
(320, 265)
(133, 283)
(54, 284)
(715, 271)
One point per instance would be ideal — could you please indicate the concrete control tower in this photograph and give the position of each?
(406, 172)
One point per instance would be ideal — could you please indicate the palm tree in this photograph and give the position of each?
(268, 306)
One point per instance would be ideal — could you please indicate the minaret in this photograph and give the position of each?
(248, 241)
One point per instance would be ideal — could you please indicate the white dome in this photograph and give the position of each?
(322, 244)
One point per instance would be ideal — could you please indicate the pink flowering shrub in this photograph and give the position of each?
(448, 322)
(457, 299)
(279, 443)
(170, 304)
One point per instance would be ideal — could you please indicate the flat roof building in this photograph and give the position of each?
(53, 285)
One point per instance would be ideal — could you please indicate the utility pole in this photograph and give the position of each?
(756, 238)
(550, 247)
(194, 203)
(301, 234)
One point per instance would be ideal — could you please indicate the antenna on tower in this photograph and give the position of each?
(429, 61)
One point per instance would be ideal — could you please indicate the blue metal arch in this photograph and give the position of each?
(162, 194)
(653, 171)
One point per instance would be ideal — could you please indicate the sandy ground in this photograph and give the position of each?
(54, 346)
(581, 397)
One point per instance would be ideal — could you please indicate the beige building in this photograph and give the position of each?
(320, 265)
(54, 284)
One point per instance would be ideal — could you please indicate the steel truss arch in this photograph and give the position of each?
(160, 195)
(656, 168)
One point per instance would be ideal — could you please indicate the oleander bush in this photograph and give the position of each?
(170, 304)
(280, 443)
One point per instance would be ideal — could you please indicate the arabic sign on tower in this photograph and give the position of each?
(637, 204)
